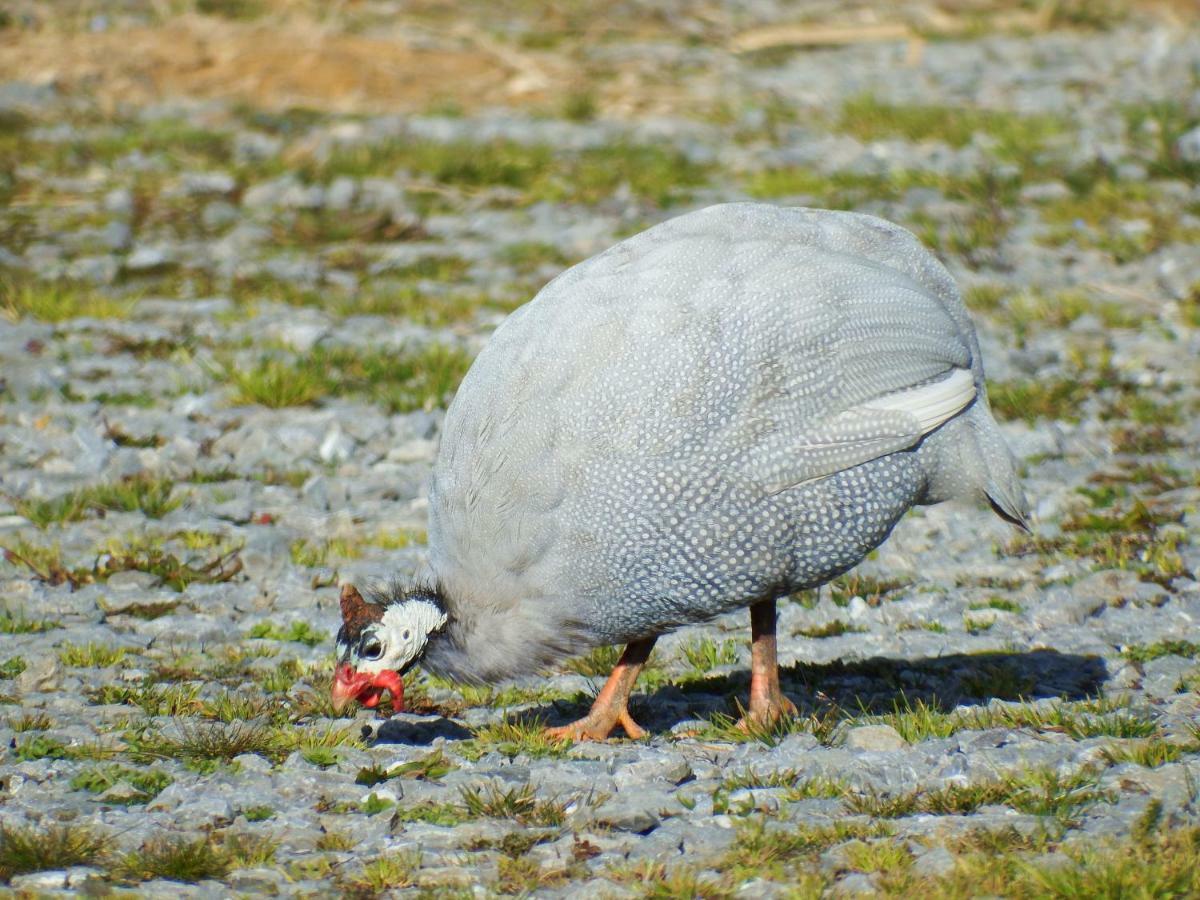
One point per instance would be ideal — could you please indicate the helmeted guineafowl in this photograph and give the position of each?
(728, 407)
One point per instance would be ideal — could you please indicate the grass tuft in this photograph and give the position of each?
(400, 380)
(517, 803)
(1013, 136)
(58, 301)
(148, 494)
(706, 654)
(148, 783)
(386, 873)
(299, 631)
(18, 623)
(25, 850)
(175, 859)
(90, 655)
(514, 738)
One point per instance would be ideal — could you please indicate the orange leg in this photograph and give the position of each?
(612, 703)
(767, 702)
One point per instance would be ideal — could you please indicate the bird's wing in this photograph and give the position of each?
(866, 364)
(785, 459)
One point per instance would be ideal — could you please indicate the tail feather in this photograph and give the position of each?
(1001, 485)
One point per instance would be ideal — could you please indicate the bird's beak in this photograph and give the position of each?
(365, 687)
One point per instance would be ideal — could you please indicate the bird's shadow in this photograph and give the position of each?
(877, 685)
(840, 689)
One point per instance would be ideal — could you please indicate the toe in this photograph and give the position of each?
(582, 730)
(632, 729)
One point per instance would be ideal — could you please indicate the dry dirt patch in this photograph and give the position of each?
(274, 65)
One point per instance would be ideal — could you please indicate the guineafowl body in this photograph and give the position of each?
(733, 405)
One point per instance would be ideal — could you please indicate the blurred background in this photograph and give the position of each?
(248, 248)
(438, 161)
(283, 205)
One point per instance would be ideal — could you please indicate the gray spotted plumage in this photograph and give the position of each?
(730, 406)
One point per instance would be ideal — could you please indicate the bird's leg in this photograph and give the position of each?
(612, 703)
(767, 703)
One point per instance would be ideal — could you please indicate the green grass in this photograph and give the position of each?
(19, 623)
(144, 555)
(1042, 398)
(314, 555)
(1155, 128)
(151, 699)
(205, 745)
(835, 628)
(1147, 652)
(522, 737)
(833, 190)
(520, 804)
(1043, 792)
(1160, 867)
(40, 747)
(1150, 752)
(431, 767)
(398, 380)
(150, 495)
(797, 785)
(174, 859)
(528, 257)
(1032, 312)
(59, 846)
(312, 228)
(873, 590)
(12, 667)
(58, 301)
(1129, 536)
(997, 603)
(299, 631)
(772, 851)
(90, 655)
(147, 782)
(276, 383)
(413, 298)
(535, 172)
(722, 727)
(597, 663)
(30, 721)
(390, 872)
(218, 741)
(1013, 135)
(1097, 215)
(705, 654)
(445, 814)
(918, 721)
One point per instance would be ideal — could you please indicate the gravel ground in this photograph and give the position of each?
(228, 339)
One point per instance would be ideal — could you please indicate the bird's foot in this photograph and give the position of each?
(597, 726)
(765, 712)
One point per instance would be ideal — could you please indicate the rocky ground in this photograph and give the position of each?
(229, 333)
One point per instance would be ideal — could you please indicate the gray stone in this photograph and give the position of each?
(637, 812)
(51, 880)
(42, 673)
(875, 737)
(1187, 145)
(132, 581)
(936, 862)
(147, 258)
(856, 884)
(201, 183)
(121, 792)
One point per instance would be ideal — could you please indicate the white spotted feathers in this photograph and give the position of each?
(735, 404)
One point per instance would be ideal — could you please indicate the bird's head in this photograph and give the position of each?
(380, 640)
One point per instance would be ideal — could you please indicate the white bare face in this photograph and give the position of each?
(396, 640)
